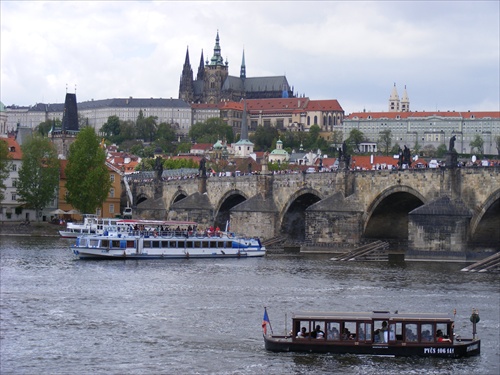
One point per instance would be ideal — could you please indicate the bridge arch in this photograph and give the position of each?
(489, 211)
(178, 195)
(228, 200)
(141, 197)
(292, 216)
(387, 214)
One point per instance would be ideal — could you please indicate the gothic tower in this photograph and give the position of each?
(216, 72)
(186, 86)
(243, 70)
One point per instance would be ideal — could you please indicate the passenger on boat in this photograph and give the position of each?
(302, 334)
(334, 334)
(383, 332)
(440, 337)
(317, 333)
(347, 335)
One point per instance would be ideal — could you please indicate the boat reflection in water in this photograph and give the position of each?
(147, 239)
(374, 333)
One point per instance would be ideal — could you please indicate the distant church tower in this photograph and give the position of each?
(405, 102)
(216, 72)
(394, 100)
(62, 138)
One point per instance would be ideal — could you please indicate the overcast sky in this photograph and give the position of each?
(447, 53)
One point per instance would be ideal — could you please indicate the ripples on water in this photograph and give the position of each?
(64, 316)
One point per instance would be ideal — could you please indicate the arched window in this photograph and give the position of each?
(315, 120)
(308, 120)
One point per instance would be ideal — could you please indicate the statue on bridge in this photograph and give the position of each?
(452, 143)
(203, 167)
(158, 167)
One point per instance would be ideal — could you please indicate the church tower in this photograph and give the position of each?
(405, 102)
(394, 100)
(186, 86)
(243, 70)
(216, 72)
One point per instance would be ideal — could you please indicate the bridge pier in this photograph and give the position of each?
(438, 230)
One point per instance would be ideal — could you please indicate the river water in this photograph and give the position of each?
(60, 315)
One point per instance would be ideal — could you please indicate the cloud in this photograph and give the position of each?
(447, 53)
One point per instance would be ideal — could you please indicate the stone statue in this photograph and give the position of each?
(344, 150)
(158, 167)
(340, 153)
(452, 142)
(203, 168)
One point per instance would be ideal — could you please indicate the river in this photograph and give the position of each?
(60, 315)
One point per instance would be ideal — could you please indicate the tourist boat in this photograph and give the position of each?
(74, 229)
(374, 333)
(143, 239)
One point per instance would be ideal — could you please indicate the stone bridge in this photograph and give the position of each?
(434, 213)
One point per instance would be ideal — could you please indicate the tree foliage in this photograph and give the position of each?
(355, 138)
(39, 173)
(111, 128)
(441, 150)
(263, 137)
(211, 131)
(88, 181)
(4, 166)
(44, 127)
(385, 141)
(477, 144)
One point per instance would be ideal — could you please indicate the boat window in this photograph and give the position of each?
(94, 243)
(442, 329)
(213, 244)
(333, 331)
(83, 242)
(130, 244)
(364, 332)
(427, 332)
(105, 243)
(348, 331)
(147, 244)
(396, 331)
(115, 244)
(197, 244)
(164, 244)
(156, 244)
(411, 332)
(189, 244)
(381, 331)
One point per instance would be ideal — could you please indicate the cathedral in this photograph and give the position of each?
(214, 84)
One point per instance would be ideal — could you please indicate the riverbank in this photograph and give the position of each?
(34, 229)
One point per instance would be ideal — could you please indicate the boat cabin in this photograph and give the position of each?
(373, 328)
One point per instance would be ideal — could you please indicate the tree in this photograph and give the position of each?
(477, 144)
(211, 131)
(165, 137)
(355, 138)
(44, 127)
(441, 150)
(263, 137)
(4, 166)
(39, 173)
(385, 141)
(88, 181)
(111, 128)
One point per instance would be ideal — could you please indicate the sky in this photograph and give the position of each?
(446, 53)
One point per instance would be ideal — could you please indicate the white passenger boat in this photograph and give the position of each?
(167, 240)
(75, 229)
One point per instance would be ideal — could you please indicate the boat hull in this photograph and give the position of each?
(464, 348)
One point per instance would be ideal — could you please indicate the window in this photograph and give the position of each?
(364, 331)
(14, 197)
(333, 331)
(112, 177)
(14, 182)
(13, 167)
(111, 208)
(112, 193)
(427, 333)
(411, 332)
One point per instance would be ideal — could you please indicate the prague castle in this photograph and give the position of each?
(213, 83)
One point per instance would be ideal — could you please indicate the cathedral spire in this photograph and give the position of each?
(243, 71)
(217, 58)
(201, 68)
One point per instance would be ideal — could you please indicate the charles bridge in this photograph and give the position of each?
(446, 213)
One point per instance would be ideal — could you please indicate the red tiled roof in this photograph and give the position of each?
(12, 144)
(324, 105)
(201, 146)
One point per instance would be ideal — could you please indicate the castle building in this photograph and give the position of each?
(397, 105)
(214, 84)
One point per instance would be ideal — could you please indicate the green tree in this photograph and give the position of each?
(4, 166)
(477, 144)
(441, 150)
(355, 138)
(39, 173)
(111, 128)
(44, 127)
(263, 137)
(385, 141)
(165, 137)
(88, 181)
(127, 131)
(211, 131)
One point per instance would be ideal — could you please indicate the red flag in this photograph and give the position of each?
(265, 322)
